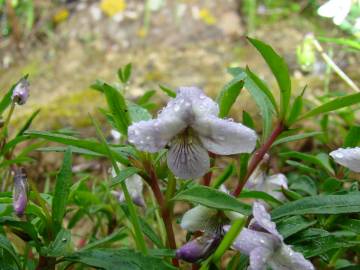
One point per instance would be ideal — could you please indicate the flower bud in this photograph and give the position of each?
(20, 192)
(306, 56)
(21, 92)
(199, 249)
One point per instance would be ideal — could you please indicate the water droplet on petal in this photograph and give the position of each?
(141, 142)
(339, 155)
(187, 104)
(148, 138)
(202, 96)
(136, 132)
(177, 108)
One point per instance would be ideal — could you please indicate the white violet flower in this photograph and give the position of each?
(335, 9)
(265, 246)
(347, 157)
(190, 125)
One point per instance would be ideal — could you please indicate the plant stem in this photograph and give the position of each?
(165, 211)
(6, 124)
(140, 241)
(258, 156)
(333, 65)
(207, 177)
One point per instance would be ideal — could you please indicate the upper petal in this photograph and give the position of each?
(287, 259)
(200, 218)
(348, 157)
(263, 219)
(151, 136)
(224, 137)
(200, 104)
(187, 158)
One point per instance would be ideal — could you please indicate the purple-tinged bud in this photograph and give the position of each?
(20, 192)
(199, 249)
(21, 92)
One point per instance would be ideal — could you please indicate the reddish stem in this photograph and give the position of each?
(258, 156)
(165, 212)
(207, 177)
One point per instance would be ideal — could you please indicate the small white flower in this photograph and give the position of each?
(265, 246)
(270, 184)
(190, 125)
(347, 157)
(335, 9)
(135, 187)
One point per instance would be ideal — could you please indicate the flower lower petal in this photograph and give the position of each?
(187, 158)
(224, 137)
(348, 157)
(258, 258)
(287, 259)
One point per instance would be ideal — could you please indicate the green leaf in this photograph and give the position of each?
(23, 227)
(62, 189)
(213, 198)
(61, 246)
(146, 97)
(228, 95)
(353, 137)
(28, 123)
(124, 73)
(322, 204)
(335, 104)
(291, 225)
(304, 184)
(124, 174)
(293, 138)
(124, 259)
(138, 113)
(90, 145)
(115, 236)
(247, 120)
(280, 70)
(263, 87)
(171, 93)
(355, 44)
(261, 100)
(6, 245)
(118, 108)
(252, 194)
(309, 158)
(296, 109)
(227, 173)
(351, 225)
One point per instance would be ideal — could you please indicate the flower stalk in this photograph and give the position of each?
(258, 156)
(164, 210)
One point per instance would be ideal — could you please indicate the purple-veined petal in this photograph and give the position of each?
(287, 259)
(224, 137)
(187, 158)
(263, 219)
(200, 218)
(20, 192)
(348, 157)
(258, 258)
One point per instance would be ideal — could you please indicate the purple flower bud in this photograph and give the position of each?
(20, 192)
(198, 249)
(21, 92)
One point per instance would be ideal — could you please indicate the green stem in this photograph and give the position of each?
(334, 66)
(140, 241)
(6, 124)
(229, 238)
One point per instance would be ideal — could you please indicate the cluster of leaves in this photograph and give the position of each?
(320, 219)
